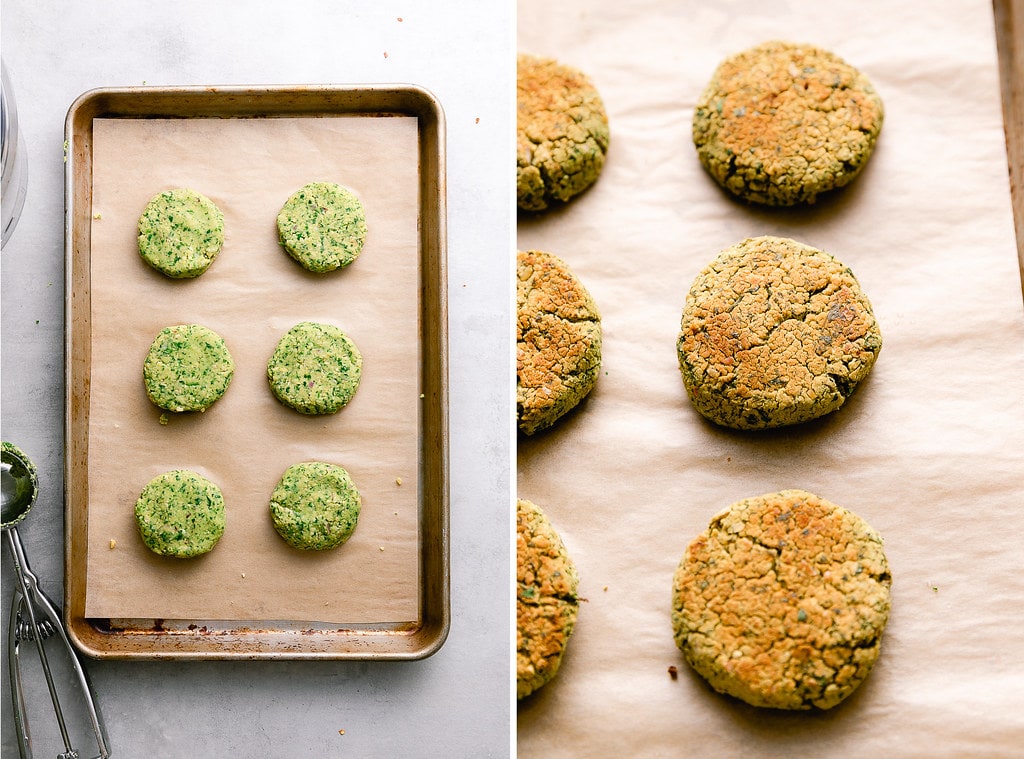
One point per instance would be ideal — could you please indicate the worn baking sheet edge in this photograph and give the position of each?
(250, 640)
(1009, 21)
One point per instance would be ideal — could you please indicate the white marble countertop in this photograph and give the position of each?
(454, 704)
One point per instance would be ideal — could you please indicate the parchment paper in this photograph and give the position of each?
(930, 450)
(251, 295)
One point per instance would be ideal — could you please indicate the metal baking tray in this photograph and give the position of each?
(265, 639)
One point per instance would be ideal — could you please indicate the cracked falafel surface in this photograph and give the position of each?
(774, 332)
(546, 598)
(781, 123)
(562, 132)
(558, 340)
(782, 602)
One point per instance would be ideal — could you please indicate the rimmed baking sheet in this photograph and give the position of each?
(383, 594)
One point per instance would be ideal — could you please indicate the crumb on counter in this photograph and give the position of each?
(398, 480)
(113, 544)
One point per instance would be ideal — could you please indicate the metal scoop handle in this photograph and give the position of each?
(34, 619)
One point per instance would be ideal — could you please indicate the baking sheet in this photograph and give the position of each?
(930, 450)
(251, 295)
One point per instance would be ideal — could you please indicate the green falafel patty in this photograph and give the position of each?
(188, 367)
(315, 506)
(180, 233)
(315, 368)
(180, 514)
(322, 226)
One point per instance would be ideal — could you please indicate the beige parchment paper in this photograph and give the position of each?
(930, 450)
(251, 295)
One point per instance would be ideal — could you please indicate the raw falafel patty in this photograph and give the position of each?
(322, 226)
(781, 123)
(773, 333)
(315, 506)
(315, 368)
(782, 601)
(562, 133)
(546, 599)
(180, 514)
(180, 233)
(558, 340)
(188, 367)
